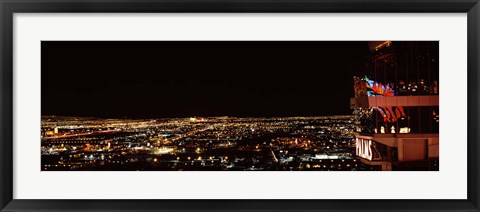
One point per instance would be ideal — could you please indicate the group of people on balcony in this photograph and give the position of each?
(411, 88)
(365, 86)
(417, 88)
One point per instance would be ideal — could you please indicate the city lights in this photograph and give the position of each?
(343, 106)
(208, 143)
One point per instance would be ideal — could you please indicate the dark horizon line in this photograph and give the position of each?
(195, 116)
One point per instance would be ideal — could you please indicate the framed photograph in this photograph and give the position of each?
(239, 105)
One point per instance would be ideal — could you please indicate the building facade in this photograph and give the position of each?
(396, 106)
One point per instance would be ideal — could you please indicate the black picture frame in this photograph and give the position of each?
(9, 7)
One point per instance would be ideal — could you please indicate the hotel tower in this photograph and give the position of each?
(396, 106)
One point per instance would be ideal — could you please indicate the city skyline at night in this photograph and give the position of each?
(240, 106)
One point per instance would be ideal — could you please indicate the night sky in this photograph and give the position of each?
(198, 78)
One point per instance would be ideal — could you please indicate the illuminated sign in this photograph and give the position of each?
(364, 148)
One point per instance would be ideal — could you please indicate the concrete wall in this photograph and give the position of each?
(406, 101)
